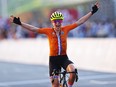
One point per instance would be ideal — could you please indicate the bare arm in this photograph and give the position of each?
(84, 18)
(25, 25)
(87, 16)
(29, 27)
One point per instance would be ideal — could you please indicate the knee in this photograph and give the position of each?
(70, 68)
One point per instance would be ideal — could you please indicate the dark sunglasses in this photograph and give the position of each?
(59, 21)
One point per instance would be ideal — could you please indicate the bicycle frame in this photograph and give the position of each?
(63, 76)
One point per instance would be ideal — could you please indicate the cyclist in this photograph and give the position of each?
(58, 42)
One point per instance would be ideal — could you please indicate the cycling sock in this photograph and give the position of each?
(70, 84)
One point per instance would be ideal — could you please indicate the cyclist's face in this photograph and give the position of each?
(57, 23)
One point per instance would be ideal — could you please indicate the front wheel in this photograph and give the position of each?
(65, 84)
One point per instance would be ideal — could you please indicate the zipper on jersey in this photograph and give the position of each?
(59, 44)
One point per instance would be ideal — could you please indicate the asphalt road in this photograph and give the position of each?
(24, 75)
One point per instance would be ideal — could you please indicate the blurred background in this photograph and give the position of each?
(37, 13)
(91, 46)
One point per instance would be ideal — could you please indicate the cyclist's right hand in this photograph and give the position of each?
(15, 20)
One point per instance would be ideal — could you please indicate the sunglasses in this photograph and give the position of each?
(59, 21)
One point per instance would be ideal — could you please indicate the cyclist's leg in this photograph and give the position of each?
(71, 68)
(55, 81)
(53, 64)
(54, 78)
(68, 66)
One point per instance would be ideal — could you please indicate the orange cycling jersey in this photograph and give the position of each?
(57, 43)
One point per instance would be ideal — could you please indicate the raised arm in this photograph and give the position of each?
(87, 16)
(24, 25)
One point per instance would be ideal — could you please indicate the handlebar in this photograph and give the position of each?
(64, 72)
(55, 72)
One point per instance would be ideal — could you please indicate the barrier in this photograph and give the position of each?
(91, 54)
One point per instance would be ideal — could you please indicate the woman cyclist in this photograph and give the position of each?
(57, 36)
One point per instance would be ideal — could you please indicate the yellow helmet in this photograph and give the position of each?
(56, 15)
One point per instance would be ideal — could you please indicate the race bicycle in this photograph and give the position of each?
(64, 77)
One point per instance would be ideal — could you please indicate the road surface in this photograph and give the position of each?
(25, 75)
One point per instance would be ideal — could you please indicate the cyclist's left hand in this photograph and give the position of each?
(95, 7)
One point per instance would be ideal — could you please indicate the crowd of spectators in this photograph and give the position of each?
(94, 29)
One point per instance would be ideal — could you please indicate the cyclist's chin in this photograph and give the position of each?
(58, 28)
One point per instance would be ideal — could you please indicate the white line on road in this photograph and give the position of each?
(24, 82)
(102, 82)
(96, 76)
